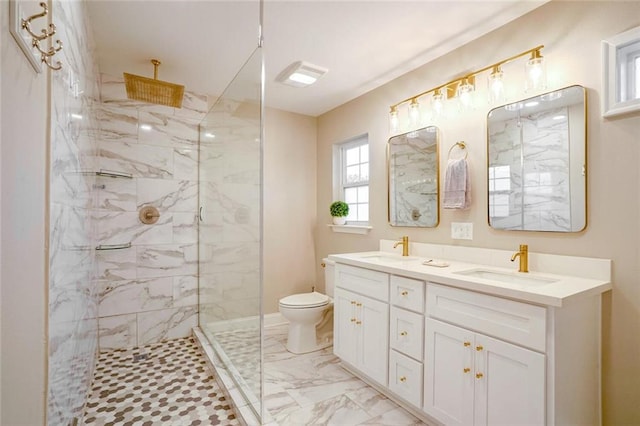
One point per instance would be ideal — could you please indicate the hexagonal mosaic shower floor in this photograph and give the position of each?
(166, 383)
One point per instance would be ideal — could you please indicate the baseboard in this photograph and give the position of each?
(274, 319)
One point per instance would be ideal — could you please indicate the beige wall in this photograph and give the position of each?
(571, 32)
(23, 166)
(289, 205)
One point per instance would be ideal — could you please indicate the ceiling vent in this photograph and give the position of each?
(301, 74)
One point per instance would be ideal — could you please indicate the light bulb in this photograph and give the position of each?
(465, 94)
(437, 103)
(414, 113)
(393, 120)
(496, 86)
(536, 78)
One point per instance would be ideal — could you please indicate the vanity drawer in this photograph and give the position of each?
(516, 322)
(406, 332)
(364, 281)
(405, 378)
(407, 293)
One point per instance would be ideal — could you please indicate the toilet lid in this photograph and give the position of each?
(305, 300)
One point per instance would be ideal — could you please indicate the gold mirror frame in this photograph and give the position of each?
(413, 179)
(537, 162)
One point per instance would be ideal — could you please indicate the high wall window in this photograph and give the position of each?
(351, 177)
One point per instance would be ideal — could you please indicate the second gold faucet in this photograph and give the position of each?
(523, 254)
(405, 245)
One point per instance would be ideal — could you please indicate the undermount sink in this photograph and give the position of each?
(387, 258)
(507, 277)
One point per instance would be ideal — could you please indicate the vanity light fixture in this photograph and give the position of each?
(301, 74)
(393, 120)
(414, 113)
(437, 102)
(465, 94)
(496, 85)
(535, 69)
(463, 88)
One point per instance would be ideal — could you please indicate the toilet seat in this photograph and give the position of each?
(305, 300)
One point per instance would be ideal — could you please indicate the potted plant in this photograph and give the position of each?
(339, 210)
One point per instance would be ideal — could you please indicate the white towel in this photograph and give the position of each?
(457, 185)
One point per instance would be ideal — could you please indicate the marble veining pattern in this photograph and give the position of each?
(413, 168)
(540, 192)
(72, 295)
(149, 291)
(310, 389)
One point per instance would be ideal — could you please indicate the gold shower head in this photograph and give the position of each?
(153, 90)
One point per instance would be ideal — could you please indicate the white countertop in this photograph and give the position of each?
(556, 293)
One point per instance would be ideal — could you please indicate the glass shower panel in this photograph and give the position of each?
(230, 233)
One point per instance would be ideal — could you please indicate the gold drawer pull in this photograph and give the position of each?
(353, 302)
(466, 370)
(404, 333)
(403, 379)
(353, 320)
(479, 375)
(467, 344)
(404, 293)
(358, 304)
(479, 348)
(358, 322)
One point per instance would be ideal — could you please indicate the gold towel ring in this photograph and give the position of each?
(462, 146)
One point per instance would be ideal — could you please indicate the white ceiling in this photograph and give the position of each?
(364, 44)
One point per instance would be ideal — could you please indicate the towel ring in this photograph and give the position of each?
(461, 145)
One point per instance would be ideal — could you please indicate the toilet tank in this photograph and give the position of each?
(329, 268)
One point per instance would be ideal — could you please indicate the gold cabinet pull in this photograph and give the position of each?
(403, 379)
(467, 344)
(403, 333)
(358, 322)
(358, 304)
(353, 302)
(466, 370)
(479, 348)
(353, 320)
(479, 375)
(404, 293)
(324, 265)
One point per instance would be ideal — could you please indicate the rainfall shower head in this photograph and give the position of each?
(153, 90)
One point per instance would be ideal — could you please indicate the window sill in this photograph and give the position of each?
(351, 229)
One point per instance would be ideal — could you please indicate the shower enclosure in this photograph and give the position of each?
(230, 228)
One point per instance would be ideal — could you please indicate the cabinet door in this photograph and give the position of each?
(345, 330)
(511, 390)
(448, 373)
(373, 320)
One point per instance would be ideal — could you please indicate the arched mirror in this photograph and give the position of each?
(412, 160)
(537, 163)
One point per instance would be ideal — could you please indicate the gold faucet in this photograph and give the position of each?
(405, 245)
(523, 254)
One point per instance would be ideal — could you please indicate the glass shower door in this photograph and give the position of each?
(230, 228)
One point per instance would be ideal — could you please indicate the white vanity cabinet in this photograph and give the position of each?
(473, 379)
(361, 323)
(468, 355)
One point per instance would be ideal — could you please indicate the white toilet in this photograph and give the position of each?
(310, 316)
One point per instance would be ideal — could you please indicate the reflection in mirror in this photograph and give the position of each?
(537, 163)
(412, 160)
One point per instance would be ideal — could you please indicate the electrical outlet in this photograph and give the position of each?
(462, 230)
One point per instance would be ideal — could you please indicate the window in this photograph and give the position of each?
(499, 189)
(351, 177)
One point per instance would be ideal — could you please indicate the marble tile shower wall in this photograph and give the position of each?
(148, 293)
(544, 181)
(73, 309)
